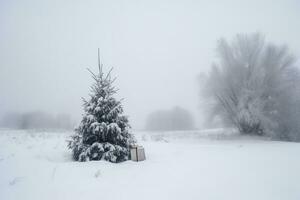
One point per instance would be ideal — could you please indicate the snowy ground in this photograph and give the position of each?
(201, 165)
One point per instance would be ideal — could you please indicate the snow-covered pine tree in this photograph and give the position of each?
(103, 133)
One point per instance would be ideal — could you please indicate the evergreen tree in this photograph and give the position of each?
(103, 133)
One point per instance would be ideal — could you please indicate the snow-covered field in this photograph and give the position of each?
(197, 165)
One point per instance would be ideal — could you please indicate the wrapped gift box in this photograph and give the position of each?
(137, 153)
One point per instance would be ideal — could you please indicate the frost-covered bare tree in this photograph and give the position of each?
(255, 87)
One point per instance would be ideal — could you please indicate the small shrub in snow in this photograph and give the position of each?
(103, 133)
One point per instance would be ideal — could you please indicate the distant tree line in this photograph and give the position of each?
(36, 120)
(174, 119)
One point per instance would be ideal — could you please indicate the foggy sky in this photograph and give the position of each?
(157, 49)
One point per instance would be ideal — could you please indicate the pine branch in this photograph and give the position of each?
(112, 81)
(94, 76)
(108, 74)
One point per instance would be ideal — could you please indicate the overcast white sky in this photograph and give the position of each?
(157, 49)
